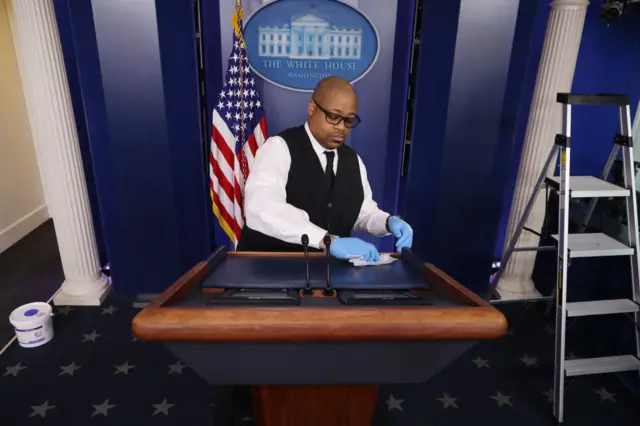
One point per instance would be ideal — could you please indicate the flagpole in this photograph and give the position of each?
(242, 112)
(238, 15)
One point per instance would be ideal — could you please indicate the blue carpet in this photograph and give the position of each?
(95, 372)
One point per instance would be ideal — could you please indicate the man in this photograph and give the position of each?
(307, 181)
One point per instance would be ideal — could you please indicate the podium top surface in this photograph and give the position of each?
(290, 272)
(183, 313)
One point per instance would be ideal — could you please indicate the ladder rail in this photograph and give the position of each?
(632, 214)
(564, 141)
(592, 207)
(521, 223)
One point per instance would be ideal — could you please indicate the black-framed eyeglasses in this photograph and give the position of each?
(333, 118)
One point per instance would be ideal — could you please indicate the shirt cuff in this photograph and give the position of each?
(316, 234)
(384, 224)
(379, 225)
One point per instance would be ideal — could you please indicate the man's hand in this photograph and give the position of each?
(347, 248)
(402, 231)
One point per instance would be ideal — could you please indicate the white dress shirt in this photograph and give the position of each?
(265, 204)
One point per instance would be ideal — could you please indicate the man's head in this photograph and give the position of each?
(332, 111)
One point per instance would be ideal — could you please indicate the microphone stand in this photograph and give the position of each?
(328, 291)
(305, 243)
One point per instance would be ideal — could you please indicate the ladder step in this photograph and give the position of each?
(601, 307)
(597, 99)
(589, 187)
(540, 248)
(607, 364)
(595, 245)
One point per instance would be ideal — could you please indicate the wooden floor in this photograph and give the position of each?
(30, 271)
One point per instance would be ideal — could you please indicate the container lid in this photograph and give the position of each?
(30, 312)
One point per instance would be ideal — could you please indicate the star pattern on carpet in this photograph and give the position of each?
(502, 399)
(123, 368)
(176, 368)
(63, 310)
(95, 370)
(102, 409)
(14, 370)
(481, 363)
(162, 408)
(394, 404)
(109, 311)
(605, 395)
(41, 410)
(91, 337)
(529, 362)
(69, 369)
(448, 401)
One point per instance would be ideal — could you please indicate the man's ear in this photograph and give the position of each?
(311, 108)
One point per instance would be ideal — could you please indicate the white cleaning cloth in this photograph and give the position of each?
(385, 259)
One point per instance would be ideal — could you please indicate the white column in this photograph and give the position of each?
(58, 151)
(555, 74)
(294, 42)
(305, 43)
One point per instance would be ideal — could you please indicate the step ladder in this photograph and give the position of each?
(583, 244)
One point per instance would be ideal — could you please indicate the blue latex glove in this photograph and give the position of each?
(347, 248)
(402, 231)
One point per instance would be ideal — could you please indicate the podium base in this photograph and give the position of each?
(314, 405)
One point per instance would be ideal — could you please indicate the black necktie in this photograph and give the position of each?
(328, 171)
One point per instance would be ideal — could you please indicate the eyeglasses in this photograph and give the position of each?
(333, 118)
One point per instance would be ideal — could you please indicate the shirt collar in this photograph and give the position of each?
(319, 149)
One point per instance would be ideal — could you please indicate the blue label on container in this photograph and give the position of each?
(32, 342)
(30, 312)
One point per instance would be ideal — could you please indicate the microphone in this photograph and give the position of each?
(305, 244)
(327, 243)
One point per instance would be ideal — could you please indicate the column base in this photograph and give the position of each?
(94, 298)
(515, 288)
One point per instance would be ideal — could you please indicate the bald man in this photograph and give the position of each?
(306, 180)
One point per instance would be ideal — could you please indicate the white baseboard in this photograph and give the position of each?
(23, 226)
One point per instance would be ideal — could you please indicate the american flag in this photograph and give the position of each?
(239, 129)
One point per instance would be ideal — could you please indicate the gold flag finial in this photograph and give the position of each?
(238, 15)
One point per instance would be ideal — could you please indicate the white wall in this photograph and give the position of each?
(22, 204)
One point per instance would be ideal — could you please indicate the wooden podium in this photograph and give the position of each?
(339, 405)
(318, 363)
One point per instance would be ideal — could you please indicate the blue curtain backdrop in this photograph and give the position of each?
(382, 92)
(136, 63)
(133, 74)
(133, 69)
(470, 74)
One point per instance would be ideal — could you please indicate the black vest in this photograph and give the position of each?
(306, 189)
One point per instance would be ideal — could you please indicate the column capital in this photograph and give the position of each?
(569, 4)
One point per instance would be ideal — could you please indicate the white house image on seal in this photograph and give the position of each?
(309, 37)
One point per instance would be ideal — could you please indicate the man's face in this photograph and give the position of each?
(327, 116)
